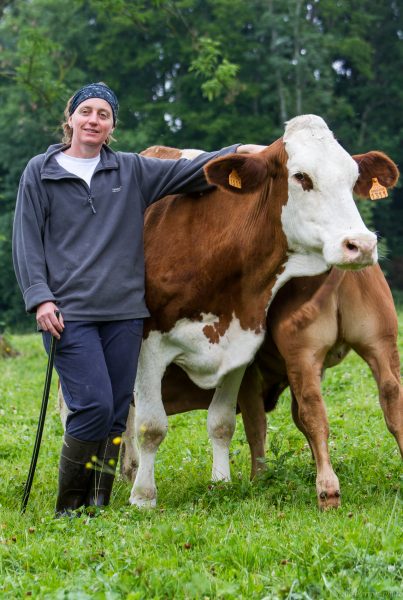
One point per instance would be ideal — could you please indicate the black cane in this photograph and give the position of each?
(41, 421)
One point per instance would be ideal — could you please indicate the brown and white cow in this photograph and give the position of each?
(213, 264)
(358, 314)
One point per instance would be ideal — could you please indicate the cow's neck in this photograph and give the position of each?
(257, 258)
(266, 251)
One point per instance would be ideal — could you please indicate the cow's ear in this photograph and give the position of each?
(374, 165)
(240, 173)
(243, 173)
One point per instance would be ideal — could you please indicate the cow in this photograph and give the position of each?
(358, 314)
(213, 265)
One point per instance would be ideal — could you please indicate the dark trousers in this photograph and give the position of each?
(97, 363)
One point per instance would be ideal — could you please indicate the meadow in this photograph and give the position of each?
(259, 540)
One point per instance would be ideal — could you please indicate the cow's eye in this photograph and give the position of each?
(304, 180)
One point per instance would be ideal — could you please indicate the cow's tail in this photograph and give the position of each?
(309, 311)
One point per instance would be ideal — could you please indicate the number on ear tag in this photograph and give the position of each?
(377, 190)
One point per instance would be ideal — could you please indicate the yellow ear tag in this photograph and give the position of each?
(377, 190)
(234, 179)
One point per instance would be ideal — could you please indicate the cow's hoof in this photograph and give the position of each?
(143, 503)
(327, 500)
(220, 477)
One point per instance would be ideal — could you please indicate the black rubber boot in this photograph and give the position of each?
(103, 477)
(75, 474)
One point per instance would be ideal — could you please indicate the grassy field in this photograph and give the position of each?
(260, 540)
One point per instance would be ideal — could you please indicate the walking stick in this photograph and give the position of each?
(41, 421)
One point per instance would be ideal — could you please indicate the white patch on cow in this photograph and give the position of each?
(324, 219)
(63, 408)
(299, 265)
(206, 363)
(190, 153)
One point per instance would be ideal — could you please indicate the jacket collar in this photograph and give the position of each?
(51, 169)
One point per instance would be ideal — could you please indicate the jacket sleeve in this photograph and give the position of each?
(28, 250)
(161, 177)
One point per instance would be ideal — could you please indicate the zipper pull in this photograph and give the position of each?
(90, 202)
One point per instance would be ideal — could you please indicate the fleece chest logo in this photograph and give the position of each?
(116, 189)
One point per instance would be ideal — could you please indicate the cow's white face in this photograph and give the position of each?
(320, 215)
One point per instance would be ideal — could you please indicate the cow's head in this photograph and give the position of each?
(319, 215)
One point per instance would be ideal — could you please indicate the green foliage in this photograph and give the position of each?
(243, 540)
(6, 348)
(203, 74)
(218, 72)
(11, 307)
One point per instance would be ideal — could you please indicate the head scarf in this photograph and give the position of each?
(96, 90)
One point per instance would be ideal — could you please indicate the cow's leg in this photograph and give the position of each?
(129, 456)
(383, 359)
(221, 420)
(297, 421)
(63, 410)
(151, 421)
(311, 418)
(251, 404)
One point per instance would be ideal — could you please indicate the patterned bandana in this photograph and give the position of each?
(95, 90)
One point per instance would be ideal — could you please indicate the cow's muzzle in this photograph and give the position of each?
(359, 253)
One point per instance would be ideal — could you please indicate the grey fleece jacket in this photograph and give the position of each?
(82, 247)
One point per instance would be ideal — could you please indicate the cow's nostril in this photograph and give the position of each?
(359, 251)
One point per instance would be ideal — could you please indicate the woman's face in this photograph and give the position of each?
(92, 122)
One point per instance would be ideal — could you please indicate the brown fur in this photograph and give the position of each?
(162, 152)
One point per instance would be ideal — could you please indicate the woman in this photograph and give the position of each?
(78, 249)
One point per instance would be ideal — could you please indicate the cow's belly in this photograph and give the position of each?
(336, 354)
(206, 362)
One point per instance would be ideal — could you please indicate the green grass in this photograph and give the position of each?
(240, 540)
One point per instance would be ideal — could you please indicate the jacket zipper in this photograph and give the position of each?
(90, 202)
